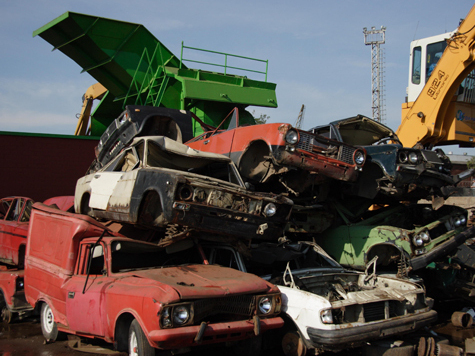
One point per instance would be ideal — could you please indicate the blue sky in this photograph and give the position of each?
(316, 52)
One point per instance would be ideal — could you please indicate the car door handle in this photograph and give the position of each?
(71, 295)
(97, 175)
(206, 142)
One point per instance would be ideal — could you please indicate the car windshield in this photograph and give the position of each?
(132, 256)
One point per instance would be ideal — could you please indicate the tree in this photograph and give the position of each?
(262, 119)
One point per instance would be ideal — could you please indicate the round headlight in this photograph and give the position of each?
(417, 240)
(265, 305)
(425, 236)
(457, 221)
(292, 137)
(413, 157)
(463, 219)
(181, 315)
(402, 157)
(359, 157)
(326, 316)
(270, 209)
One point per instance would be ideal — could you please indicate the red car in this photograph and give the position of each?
(14, 223)
(279, 152)
(14, 220)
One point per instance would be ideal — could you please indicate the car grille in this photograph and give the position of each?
(379, 310)
(346, 154)
(243, 305)
(308, 142)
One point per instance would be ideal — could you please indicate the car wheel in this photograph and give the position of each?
(85, 208)
(293, 345)
(6, 315)
(254, 163)
(138, 343)
(48, 325)
(150, 212)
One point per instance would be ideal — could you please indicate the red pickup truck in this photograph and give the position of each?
(87, 280)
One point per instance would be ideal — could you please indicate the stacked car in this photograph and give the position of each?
(250, 190)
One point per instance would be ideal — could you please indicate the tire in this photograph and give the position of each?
(137, 342)
(48, 325)
(6, 315)
(85, 209)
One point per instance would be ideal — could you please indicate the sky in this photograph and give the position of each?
(315, 48)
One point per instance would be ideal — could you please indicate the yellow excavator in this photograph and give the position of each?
(440, 103)
(95, 91)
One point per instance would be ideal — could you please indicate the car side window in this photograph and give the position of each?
(25, 217)
(93, 257)
(4, 207)
(15, 210)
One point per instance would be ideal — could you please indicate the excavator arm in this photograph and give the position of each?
(95, 91)
(435, 117)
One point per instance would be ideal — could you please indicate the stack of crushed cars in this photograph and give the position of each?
(316, 212)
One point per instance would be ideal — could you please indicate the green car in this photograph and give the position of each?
(403, 236)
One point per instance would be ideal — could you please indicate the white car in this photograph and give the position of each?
(326, 307)
(157, 182)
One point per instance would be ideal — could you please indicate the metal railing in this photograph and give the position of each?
(225, 65)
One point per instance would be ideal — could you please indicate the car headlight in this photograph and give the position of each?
(402, 157)
(417, 240)
(181, 315)
(326, 316)
(425, 236)
(359, 157)
(413, 157)
(176, 315)
(460, 220)
(265, 305)
(270, 210)
(20, 284)
(292, 137)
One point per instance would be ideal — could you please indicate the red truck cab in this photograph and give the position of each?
(90, 281)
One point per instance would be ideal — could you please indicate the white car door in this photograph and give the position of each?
(113, 187)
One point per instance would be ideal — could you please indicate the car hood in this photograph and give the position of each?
(203, 281)
(362, 131)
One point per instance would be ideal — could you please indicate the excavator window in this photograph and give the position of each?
(416, 65)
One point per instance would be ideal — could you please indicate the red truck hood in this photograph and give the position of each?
(202, 281)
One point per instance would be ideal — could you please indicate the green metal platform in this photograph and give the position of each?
(137, 68)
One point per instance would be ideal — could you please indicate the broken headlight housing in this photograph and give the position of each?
(409, 157)
(359, 157)
(268, 304)
(327, 316)
(176, 315)
(270, 210)
(421, 238)
(292, 137)
(460, 220)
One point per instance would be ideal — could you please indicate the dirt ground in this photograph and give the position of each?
(24, 338)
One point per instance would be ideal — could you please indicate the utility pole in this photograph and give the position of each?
(376, 38)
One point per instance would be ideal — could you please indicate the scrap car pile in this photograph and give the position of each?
(171, 209)
(188, 232)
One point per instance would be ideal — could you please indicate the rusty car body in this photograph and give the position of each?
(405, 237)
(86, 280)
(283, 157)
(158, 182)
(391, 170)
(325, 306)
(13, 304)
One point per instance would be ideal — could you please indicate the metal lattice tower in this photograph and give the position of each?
(376, 38)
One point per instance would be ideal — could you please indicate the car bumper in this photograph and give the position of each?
(320, 164)
(213, 333)
(442, 249)
(341, 338)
